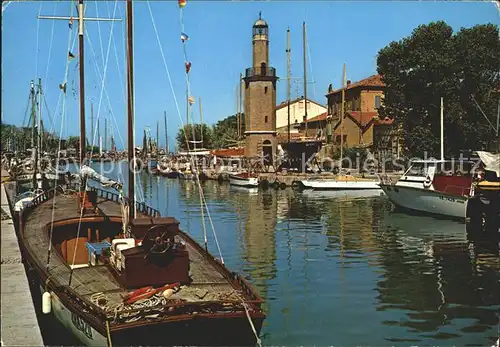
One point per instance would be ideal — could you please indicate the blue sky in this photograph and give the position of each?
(219, 49)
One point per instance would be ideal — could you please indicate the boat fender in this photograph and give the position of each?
(427, 182)
(276, 184)
(283, 185)
(46, 303)
(168, 293)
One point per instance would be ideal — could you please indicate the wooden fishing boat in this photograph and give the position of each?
(88, 265)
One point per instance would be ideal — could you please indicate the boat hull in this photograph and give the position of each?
(427, 201)
(172, 174)
(340, 184)
(343, 194)
(76, 324)
(248, 182)
(191, 330)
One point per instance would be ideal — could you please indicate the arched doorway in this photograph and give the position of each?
(267, 151)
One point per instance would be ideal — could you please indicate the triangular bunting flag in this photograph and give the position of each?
(70, 55)
(71, 23)
(184, 37)
(182, 3)
(191, 100)
(63, 87)
(188, 66)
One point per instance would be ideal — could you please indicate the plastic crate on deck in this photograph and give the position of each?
(96, 249)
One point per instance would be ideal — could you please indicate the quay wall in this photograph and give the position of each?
(19, 326)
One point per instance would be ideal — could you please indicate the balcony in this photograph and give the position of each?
(262, 73)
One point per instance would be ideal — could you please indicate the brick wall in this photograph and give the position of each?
(260, 101)
(254, 144)
(260, 51)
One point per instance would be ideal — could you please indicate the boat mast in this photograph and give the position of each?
(99, 138)
(288, 74)
(82, 81)
(157, 138)
(201, 126)
(39, 118)
(105, 133)
(240, 115)
(342, 117)
(167, 149)
(81, 19)
(33, 113)
(305, 75)
(130, 106)
(92, 124)
(442, 129)
(33, 133)
(242, 109)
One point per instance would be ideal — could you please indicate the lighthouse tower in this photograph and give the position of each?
(260, 98)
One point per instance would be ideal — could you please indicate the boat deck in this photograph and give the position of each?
(208, 284)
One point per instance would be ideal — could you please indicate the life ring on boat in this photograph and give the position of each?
(427, 182)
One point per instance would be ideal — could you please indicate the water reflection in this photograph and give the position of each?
(259, 214)
(431, 286)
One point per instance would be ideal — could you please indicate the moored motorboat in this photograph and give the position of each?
(433, 186)
(244, 179)
(340, 182)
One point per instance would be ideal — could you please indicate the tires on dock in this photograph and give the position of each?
(264, 184)
(276, 185)
(283, 185)
(203, 176)
(220, 178)
(483, 214)
(296, 185)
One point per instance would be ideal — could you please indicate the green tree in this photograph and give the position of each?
(226, 132)
(182, 140)
(15, 138)
(73, 141)
(432, 63)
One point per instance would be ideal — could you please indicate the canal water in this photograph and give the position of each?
(343, 268)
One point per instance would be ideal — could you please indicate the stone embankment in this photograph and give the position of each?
(19, 321)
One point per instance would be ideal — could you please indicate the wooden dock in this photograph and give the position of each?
(19, 321)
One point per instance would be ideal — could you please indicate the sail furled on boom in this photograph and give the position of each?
(491, 161)
(87, 172)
